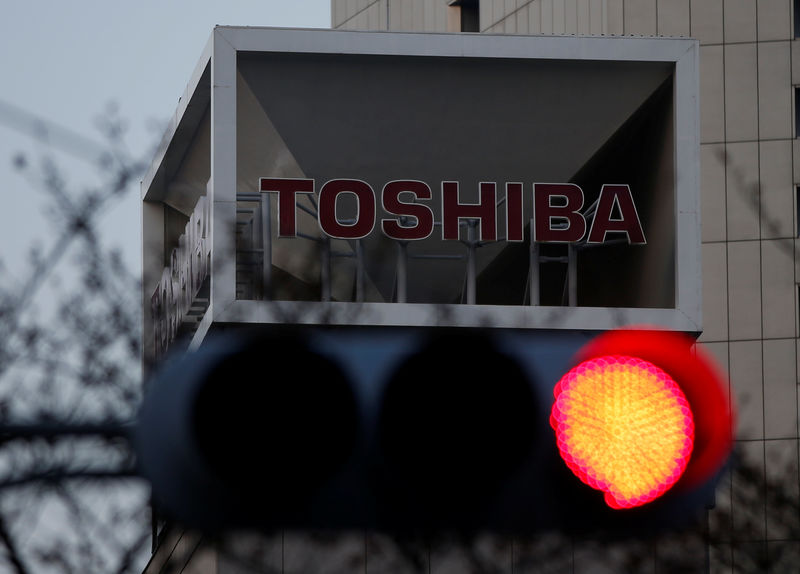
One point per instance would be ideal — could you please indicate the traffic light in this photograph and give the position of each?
(412, 428)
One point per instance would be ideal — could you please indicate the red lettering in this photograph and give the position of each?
(547, 216)
(485, 211)
(627, 223)
(398, 228)
(556, 210)
(514, 225)
(287, 189)
(365, 213)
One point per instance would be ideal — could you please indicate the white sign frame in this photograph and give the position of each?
(219, 60)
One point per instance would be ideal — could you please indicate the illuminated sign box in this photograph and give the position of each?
(318, 176)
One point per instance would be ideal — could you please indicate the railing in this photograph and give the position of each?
(255, 266)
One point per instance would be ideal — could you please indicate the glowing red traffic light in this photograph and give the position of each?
(641, 412)
(624, 427)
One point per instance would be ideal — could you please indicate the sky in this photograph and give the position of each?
(67, 62)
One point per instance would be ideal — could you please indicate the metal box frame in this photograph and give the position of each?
(214, 83)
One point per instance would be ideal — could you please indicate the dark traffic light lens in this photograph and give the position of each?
(275, 418)
(456, 420)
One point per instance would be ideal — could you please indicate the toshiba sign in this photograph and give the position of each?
(557, 210)
(461, 179)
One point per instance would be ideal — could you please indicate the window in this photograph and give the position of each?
(797, 111)
(469, 14)
(797, 208)
(796, 18)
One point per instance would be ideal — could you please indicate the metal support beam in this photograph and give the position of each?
(572, 274)
(266, 245)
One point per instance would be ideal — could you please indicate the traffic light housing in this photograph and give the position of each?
(412, 428)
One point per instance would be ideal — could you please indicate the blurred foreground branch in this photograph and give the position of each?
(70, 374)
